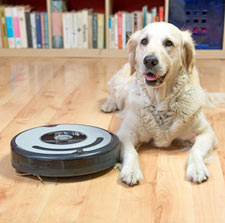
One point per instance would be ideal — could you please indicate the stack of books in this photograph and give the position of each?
(80, 29)
(21, 27)
(123, 24)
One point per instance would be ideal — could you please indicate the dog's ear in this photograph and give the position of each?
(131, 46)
(188, 54)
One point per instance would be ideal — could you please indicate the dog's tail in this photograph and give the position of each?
(213, 100)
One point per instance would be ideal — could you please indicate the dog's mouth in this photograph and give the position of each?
(154, 79)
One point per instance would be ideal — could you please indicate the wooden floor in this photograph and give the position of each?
(36, 92)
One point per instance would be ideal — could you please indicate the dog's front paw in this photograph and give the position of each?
(131, 175)
(108, 107)
(197, 173)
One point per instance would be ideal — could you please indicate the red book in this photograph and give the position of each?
(119, 23)
(161, 14)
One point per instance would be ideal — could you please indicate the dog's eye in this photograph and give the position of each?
(144, 41)
(168, 43)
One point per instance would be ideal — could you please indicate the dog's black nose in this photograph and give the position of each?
(150, 61)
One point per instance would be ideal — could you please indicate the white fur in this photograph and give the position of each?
(172, 110)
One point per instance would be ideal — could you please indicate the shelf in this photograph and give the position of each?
(99, 53)
(62, 53)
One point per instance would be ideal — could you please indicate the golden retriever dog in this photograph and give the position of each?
(161, 99)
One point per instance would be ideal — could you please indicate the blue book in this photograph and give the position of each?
(9, 27)
(38, 29)
(46, 30)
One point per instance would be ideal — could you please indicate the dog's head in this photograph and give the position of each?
(158, 51)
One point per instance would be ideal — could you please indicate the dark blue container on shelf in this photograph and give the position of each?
(204, 18)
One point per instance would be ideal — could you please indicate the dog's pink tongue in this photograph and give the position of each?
(151, 77)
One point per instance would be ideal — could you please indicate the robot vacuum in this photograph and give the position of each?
(64, 150)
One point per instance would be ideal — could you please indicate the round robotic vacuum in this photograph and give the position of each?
(64, 150)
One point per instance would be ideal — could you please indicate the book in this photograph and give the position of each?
(16, 27)
(42, 30)
(161, 14)
(67, 30)
(123, 24)
(124, 14)
(74, 30)
(95, 30)
(119, 28)
(149, 18)
(33, 29)
(90, 42)
(57, 7)
(116, 31)
(79, 29)
(111, 45)
(9, 27)
(84, 31)
(128, 26)
(154, 14)
(139, 20)
(3, 28)
(38, 29)
(28, 27)
(135, 18)
(22, 25)
(144, 11)
(101, 25)
(46, 30)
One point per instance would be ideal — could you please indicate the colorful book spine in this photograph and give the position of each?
(22, 25)
(161, 14)
(145, 10)
(101, 25)
(95, 30)
(9, 27)
(3, 28)
(16, 27)
(57, 7)
(42, 30)
(38, 30)
(33, 29)
(154, 14)
(110, 32)
(119, 28)
(28, 27)
(46, 30)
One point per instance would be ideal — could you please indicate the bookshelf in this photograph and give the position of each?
(108, 7)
